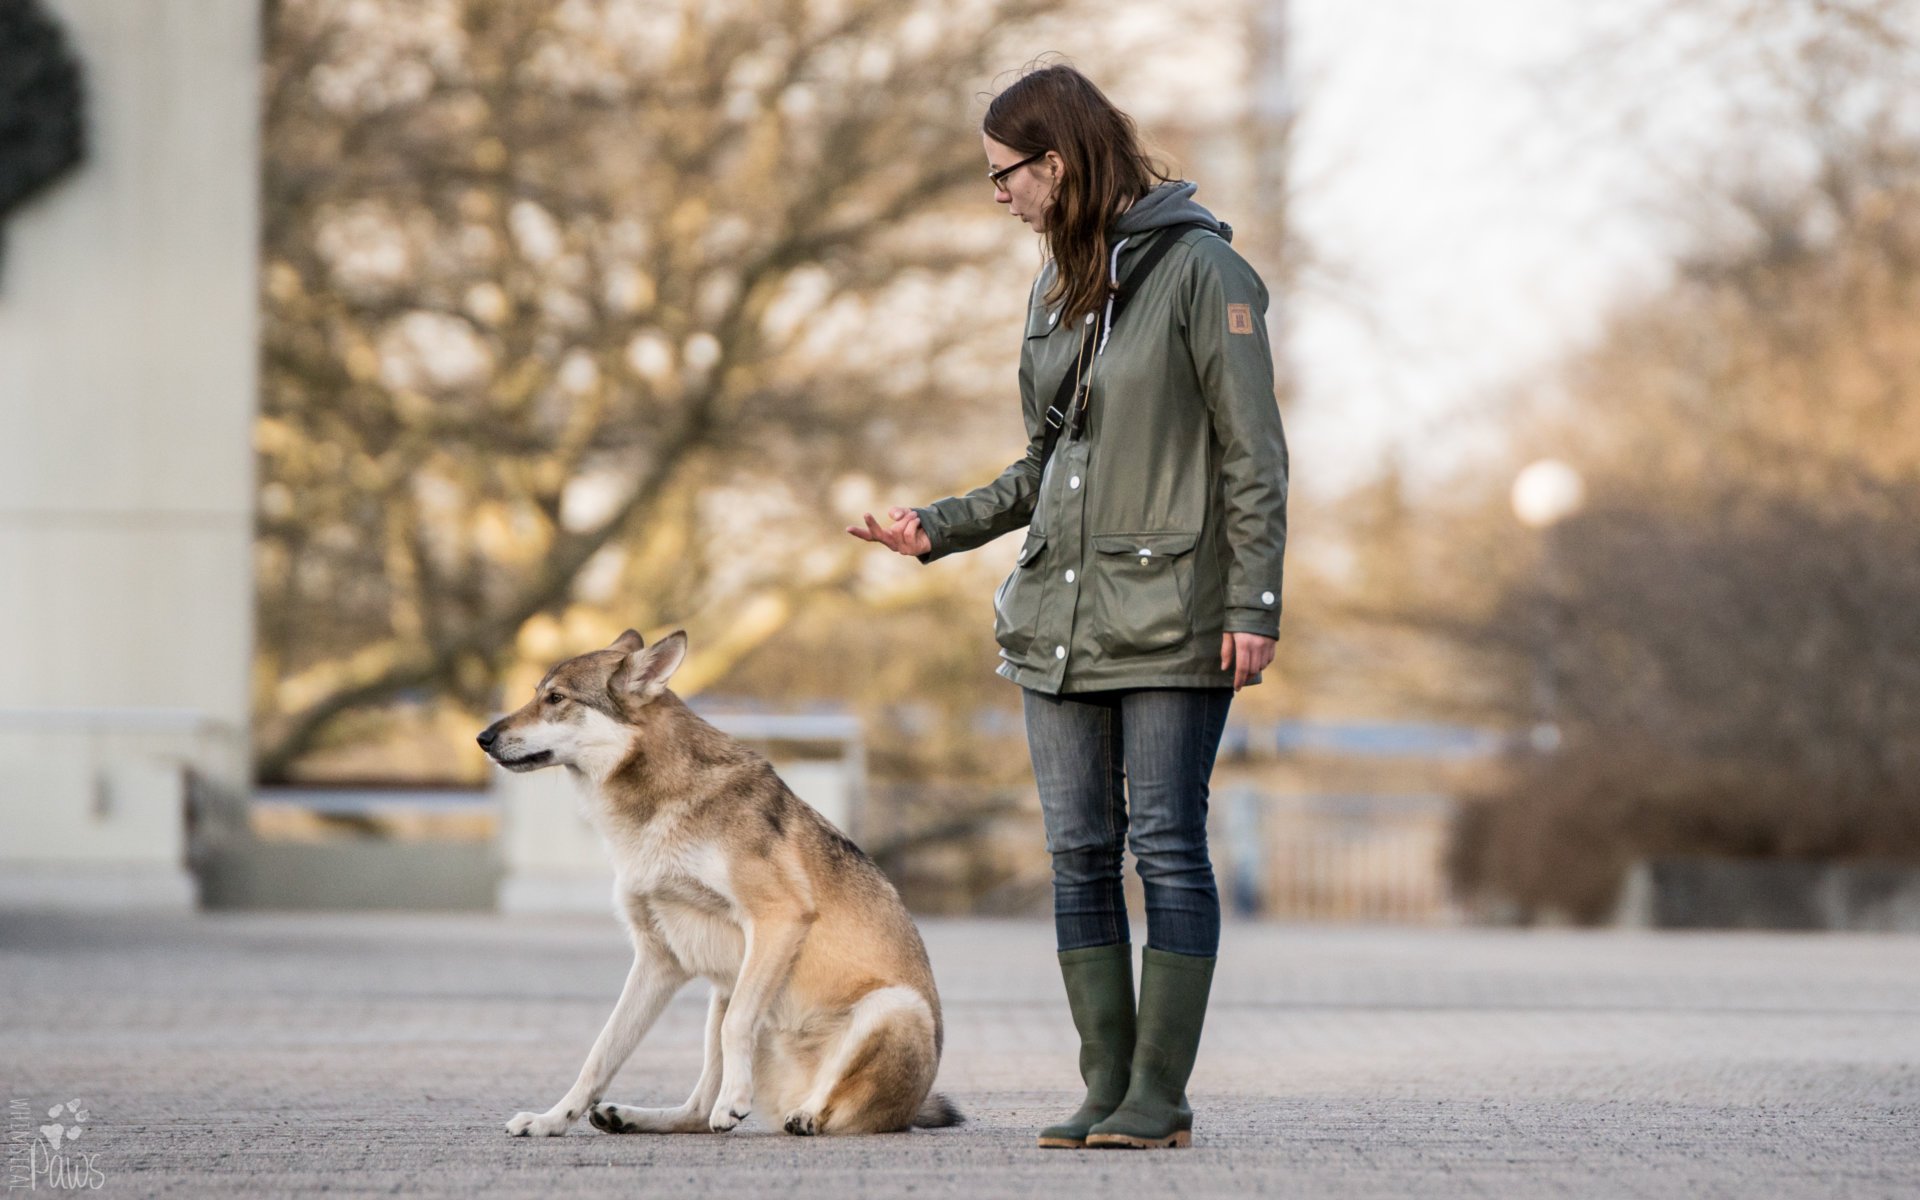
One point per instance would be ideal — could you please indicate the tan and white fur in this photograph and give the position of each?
(823, 1015)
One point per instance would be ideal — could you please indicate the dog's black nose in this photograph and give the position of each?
(486, 738)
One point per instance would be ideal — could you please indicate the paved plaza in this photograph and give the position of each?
(279, 1055)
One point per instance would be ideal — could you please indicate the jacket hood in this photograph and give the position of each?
(1168, 204)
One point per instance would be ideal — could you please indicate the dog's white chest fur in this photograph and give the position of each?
(705, 944)
(681, 888)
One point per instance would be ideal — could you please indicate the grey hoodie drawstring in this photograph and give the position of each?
(1113, 281)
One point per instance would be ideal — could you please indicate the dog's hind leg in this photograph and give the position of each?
(653, 979)
(690, 1117)
(874, 1078)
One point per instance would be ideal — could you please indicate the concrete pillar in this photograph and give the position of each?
(128, 344)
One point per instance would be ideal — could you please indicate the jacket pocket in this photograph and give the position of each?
(1144, 593)
(1016, 606)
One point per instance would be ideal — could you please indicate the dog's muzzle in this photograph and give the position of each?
(526, 762)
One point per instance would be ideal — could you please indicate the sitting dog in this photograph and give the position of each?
(823, 1012)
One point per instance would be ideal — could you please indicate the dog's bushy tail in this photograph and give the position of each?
(937, 1112)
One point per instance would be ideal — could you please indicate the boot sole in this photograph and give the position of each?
(1047, 1143)
(1178, 1139)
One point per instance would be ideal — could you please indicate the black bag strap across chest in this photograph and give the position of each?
(1064, 408)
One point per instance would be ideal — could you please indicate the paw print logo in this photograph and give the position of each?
(56, 1133)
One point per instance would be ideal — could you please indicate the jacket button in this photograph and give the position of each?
(1069, 576)
(1089, 318)
(1074, 482)
(1144, 560)
(1052, 317)
(1266, 597)
(1059, 651)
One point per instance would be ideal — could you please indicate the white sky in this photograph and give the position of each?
(1478, 219)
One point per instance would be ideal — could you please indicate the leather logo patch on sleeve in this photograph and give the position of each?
(1239, 318)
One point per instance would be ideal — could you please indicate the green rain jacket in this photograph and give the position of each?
(1164, 523)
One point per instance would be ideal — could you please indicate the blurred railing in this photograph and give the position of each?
(1335, 857)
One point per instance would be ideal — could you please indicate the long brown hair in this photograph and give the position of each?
(1057, 108)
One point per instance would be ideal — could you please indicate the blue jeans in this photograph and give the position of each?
(1129, 768)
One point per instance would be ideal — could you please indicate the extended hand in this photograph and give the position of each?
(904, 536)
(1246, 655)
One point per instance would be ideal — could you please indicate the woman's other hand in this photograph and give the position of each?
(904, 536)
(1246, 655)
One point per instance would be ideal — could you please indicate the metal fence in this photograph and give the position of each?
(1336, 857)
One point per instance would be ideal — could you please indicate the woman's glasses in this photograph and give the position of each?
(998, 178)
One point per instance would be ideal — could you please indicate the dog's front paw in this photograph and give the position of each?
(802, 1124)
(546, 1124)
(727, 1114)
(734, 1103)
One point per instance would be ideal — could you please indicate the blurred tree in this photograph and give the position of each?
(1738, 608)
(582, 315)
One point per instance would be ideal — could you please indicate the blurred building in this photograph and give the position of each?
(127, 373)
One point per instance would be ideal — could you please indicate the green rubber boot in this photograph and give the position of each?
(1173, 1006)
(1100, 993)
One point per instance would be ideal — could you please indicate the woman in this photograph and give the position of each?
(1154, 492)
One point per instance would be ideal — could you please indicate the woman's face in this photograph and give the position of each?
(1028, 192)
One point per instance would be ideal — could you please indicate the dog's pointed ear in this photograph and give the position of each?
(646, 671)
(628, 642)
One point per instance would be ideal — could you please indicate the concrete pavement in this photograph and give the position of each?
(264, 1055)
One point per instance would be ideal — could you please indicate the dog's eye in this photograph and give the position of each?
(554, 697)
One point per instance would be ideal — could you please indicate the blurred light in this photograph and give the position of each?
(853, 493)
(579, 374)
(276, 501)
(629, 289)
(364, 248)
(539, 638)
(701, 351)
(599, 581)
(433, 350)
(798, 101)
(534, 231)
(487, 303)
(588, 500)
(651, 357)
(1547, 492)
